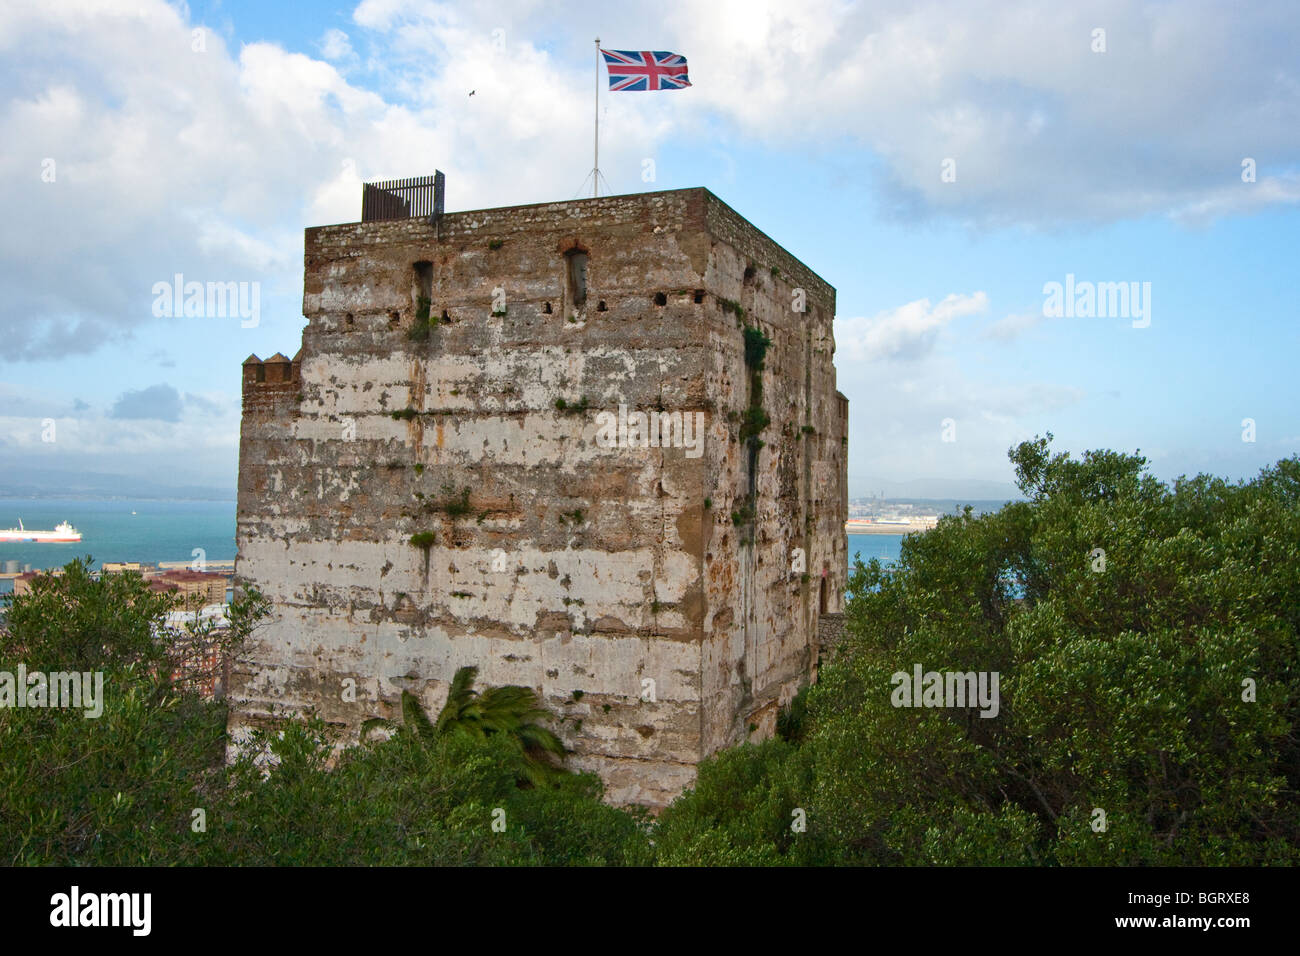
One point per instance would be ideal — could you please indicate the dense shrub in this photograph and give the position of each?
(1148, 696)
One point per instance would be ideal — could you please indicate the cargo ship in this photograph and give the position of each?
(63, 533)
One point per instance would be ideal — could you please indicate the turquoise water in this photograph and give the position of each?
(157, 531)
(882, 546)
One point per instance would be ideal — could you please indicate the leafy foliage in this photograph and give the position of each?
(72, 621)
(756, 346)
(411, 800)
(118, 788)
(423, 325)
(124, 789)
(510, 712)
(1126, 687)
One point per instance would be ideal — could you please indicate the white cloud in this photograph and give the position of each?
(211, 163)
(334, 45)
(154, 433)
(907, 332)
(1013, 326)
(1042, 129)
(1240, 198)
(898, 413)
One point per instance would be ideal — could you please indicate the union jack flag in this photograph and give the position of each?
(645, 70)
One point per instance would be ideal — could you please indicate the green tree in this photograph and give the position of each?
(121, 787)
(1147, 640)
(75, 621)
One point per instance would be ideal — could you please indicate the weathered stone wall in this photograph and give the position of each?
(611, 579)
(761, 645)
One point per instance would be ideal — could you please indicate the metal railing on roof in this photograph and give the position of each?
(403, 198)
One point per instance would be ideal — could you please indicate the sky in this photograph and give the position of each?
(940, 164)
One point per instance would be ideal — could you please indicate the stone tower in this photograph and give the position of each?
(548, 441)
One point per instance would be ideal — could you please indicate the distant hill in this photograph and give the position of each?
(53, 483)
(932, 489)
(947, 506)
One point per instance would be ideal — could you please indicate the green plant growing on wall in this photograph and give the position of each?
(423, 325)
(572, 408)
(455, 505)
(405, 414)
(424, 540)
(756, 346)
(743, 515)
(495, 244)
(752, 422)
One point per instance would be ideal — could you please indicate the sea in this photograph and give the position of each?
(119, 530)
(125, 530)
(886, 547)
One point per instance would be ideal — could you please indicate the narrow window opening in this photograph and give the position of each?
(699, 296)
(424, 279)
(546, 310)
(661, 299)
(422, 298)
(749, 273)
(394, 320)
(350, 320)
(576, 277)
(822, 600)
(601, 306)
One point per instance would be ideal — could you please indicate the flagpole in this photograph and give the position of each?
(595, 169)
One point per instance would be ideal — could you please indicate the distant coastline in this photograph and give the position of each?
(73, 496)
(19, 482)
(872, 527)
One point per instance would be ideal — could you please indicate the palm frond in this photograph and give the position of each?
(414, 716)
(537, 739)
(511, 713)
(460, 697)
